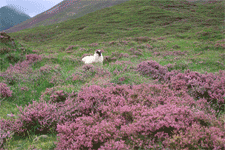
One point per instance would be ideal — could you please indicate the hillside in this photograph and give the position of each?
(67, 9)
(161, 84)
(113, 23)
(10, 17)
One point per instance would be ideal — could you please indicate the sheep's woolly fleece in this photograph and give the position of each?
(97, 57)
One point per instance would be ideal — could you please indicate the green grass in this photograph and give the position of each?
(178, 25)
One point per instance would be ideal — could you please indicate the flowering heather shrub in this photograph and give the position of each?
(56, 79)
(4, 136)
(113, 58)
(161, 38)
(118, 116)
(125, 42)
(170, 67)
(220, 45)
(122, 79)
(138, 53)
(71, 47)
(158, 124)
(210, 2)
(133, 56)
(88, 67)
(45, 96)
(149, 46)
(168, 76)
(33, 57)
(152, 69)
(125, 55)
(19, 71)
(38, 117)
(91, 70)
(112, 145)
(156, 53)
(197, 136)
(55, 94)
(135, 52)
(209, 86)
(93, 135)
(5, 50)
(112, 43)
(93, 44)
(140, 115)
(75, 77)
(35, 51)
(119, 55)
(82, 49)
(58, 96)
(13, 125)
(45, 69)
(24, 88)
(5, 91)
(132, 50)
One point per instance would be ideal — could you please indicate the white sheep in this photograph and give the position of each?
(97, 57)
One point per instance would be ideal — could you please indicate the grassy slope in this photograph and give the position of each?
(67, 10)
(185, 28)
(76, 11)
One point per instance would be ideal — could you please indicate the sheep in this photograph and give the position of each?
(97, 57)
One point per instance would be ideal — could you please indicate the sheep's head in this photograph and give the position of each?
(99, 52)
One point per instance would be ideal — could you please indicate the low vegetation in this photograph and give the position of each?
(161, 85)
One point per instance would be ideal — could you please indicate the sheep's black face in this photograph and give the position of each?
(99, 53)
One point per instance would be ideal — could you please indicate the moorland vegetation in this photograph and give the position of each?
(161, 85)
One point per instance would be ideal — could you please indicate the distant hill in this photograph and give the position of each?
(10, 16)
(67, 9)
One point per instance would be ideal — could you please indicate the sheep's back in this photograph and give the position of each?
(88, 59)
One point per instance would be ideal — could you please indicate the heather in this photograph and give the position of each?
(161, 85)
(209, 86)
(142, 119)
(5, 91)
(141, 115)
